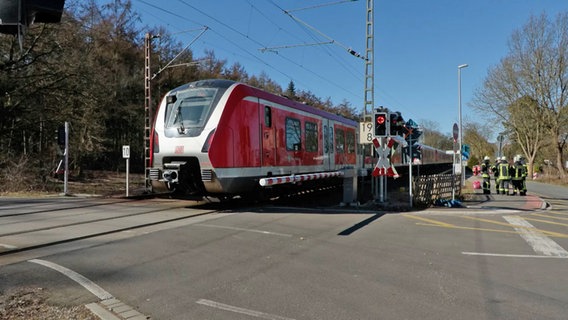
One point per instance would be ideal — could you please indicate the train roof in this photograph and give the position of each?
(216, 83)
(225, 84)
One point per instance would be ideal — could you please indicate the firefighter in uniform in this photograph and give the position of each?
(518, 174)
(495, 170)
(504, 176)
(524, 185)
(485, 171)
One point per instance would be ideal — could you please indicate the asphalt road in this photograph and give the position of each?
(547, 191)
(294, 263)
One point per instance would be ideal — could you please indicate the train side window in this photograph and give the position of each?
(293, 135)
(350, 140)
(339, 141)
(267, 116)
(329, 140)
(325, 144)
(311, 136)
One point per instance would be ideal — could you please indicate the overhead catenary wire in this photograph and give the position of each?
(168, 12)
(356, 75)
(211, 29)
(298, 20)
(351, 51)
(381, 91)
(271, 20)
(205, 28)
(321, 5)
(261, 45)
(275, 49)
(348, 49)
(240, 47)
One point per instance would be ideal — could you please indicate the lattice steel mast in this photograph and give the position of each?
(148, 116)
(369, 63)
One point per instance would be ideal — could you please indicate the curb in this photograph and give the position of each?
(114, 309)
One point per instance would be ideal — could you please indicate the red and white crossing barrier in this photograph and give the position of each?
(384, 166)
(298, 178)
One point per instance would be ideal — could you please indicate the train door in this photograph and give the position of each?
(268, 148)
(328, 148)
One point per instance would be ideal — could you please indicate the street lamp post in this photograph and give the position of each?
(461, 66)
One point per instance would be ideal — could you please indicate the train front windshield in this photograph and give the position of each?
(188, 110)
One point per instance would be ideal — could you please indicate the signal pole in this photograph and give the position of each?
(461, 66)
(66, 174)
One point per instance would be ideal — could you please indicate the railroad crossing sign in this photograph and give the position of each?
(384, 167)
(409, 131)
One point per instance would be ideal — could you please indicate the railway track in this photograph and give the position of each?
(29, 225)
(53, 224)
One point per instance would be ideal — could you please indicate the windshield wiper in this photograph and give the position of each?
(181, 128)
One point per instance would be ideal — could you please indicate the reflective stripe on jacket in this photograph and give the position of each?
(518, 172)
(504, 171)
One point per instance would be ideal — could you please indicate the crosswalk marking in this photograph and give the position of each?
(540, 243)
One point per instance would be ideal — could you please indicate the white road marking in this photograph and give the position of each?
(540, 243)
(243, 229)
(86, 283)
(249, 312)
(7, 246)
(510, 255)
(108, 307)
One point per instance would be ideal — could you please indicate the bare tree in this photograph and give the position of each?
(536, 69)
(432, 136)
(527, 133)
(476, 136)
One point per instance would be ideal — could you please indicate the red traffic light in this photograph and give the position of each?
(380, 127)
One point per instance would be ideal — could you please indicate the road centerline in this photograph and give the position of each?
(240, 310)
(243, 229)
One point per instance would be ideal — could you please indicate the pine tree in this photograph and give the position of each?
(291, 91)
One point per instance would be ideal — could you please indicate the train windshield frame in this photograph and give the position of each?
(190, 109)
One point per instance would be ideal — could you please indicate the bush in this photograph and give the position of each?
(24, 175)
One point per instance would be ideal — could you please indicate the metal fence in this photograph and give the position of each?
(429, 188)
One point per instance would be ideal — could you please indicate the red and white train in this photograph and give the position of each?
(221, 138)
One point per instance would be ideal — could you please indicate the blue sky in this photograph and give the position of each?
(418, 45)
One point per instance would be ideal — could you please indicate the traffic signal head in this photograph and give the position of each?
(411, 132)
(381, 124)
(61, 135)
(396, 123)
(16, 15)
